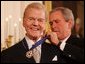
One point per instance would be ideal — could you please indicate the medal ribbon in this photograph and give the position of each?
(39, 42)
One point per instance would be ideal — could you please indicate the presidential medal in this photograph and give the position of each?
(29, 54)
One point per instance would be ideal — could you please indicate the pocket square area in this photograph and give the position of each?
(55, 58)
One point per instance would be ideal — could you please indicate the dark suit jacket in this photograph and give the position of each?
(71, 54)
(17, 53)
(74, 50)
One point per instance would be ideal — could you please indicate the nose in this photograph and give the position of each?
(35, 23)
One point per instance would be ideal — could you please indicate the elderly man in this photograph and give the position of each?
(32, 48)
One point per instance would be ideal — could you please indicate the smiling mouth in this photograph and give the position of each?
(35, 29)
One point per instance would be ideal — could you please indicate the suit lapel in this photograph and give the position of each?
(43, 53)
(48, 52)
(24, 43)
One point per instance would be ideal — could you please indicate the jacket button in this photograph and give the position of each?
(69, 55)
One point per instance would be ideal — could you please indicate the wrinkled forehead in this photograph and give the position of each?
(35, 12)
(33, 9)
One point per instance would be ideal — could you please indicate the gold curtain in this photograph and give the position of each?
(48, 5)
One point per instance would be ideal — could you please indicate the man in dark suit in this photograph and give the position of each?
(62, 22)
(34, 22)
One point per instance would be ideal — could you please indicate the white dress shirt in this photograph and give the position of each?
(31, 42)
(62, 46)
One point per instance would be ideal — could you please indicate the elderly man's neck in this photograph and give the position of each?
(32, 37)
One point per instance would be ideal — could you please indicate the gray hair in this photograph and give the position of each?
(67, 13)
(34, 5)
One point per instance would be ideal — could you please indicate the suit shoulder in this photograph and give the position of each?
(12, 49)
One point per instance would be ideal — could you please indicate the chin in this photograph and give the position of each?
(35, 35)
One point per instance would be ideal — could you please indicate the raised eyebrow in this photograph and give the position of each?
(56, 20)
(42, 18)
(30, 17)
(52, 21)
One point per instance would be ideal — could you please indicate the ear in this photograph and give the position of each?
(70, 23)
(24, 22)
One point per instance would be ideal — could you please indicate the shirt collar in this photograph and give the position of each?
(64, 40)
(30, 42)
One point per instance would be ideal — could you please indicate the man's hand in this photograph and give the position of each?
(53, 38)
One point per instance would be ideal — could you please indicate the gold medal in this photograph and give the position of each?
(29, 54)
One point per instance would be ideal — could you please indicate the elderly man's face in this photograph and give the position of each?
(59, 24)
(34, 22)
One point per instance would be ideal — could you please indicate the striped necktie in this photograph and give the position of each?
(36, 54)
